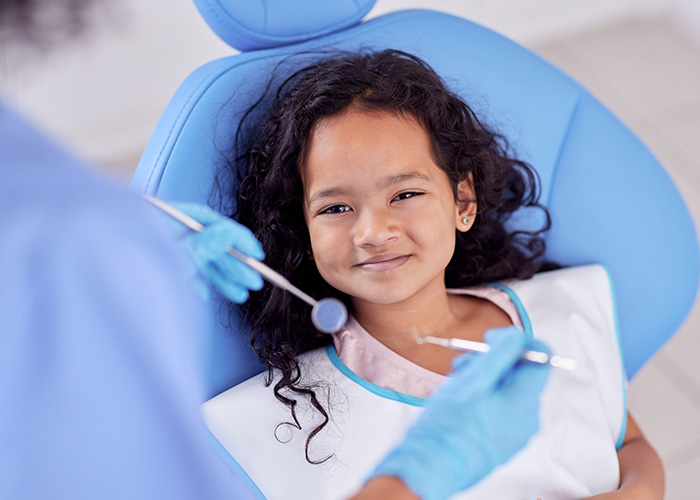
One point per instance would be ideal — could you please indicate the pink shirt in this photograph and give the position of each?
(376, 363)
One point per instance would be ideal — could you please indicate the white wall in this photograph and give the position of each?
(534, 21)
(686, 14)
(103, 96)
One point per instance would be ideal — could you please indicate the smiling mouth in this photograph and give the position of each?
(383, 264)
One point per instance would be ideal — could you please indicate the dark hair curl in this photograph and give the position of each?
(270, 194)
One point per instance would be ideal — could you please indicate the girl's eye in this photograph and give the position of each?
(335, 209)
(406, 195)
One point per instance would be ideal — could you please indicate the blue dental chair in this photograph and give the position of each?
(611, 201)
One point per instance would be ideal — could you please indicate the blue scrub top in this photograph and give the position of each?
(99, 352)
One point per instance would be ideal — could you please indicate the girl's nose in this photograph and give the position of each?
(375, 228)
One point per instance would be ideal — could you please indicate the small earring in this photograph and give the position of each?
(465, 220)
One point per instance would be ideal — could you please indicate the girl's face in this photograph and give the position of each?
(381, 214)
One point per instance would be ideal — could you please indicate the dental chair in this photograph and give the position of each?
(610, 200)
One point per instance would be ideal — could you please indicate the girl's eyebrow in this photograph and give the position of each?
(408, 176)
(388, 182)
(327, 193)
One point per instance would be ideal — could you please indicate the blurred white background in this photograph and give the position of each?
(104, 94)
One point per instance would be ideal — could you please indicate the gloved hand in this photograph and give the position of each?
(479, 419)
(208, 249)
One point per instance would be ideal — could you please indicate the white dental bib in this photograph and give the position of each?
(573, 455)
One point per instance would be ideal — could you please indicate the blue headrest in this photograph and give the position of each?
(260, 24)
(601, 184)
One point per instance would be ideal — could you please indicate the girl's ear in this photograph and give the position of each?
(466, 204)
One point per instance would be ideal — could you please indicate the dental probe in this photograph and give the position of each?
(328, 315)
(472, 346)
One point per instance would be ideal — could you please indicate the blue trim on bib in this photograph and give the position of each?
(240, 472)
(524, 318)
(373, 388)
(623, 426)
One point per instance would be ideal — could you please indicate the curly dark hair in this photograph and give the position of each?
(270, 194)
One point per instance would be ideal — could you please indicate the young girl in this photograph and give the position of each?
(372, 182)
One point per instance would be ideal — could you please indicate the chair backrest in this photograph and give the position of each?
(611, 201)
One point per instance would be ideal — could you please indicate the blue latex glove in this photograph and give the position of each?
(484, 414)
(208, 249)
